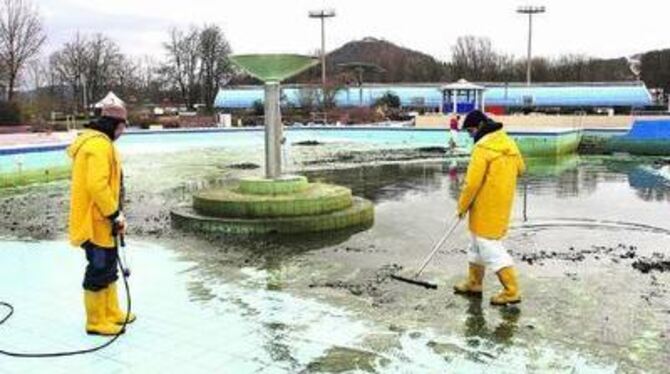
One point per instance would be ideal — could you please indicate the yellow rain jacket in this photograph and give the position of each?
(96, 185)
(490, 185)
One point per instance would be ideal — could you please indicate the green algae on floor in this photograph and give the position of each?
(34, 176)
(345, 360)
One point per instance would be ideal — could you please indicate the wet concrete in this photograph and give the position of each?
(588, 224)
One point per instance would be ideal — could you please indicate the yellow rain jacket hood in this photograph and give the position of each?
(96, 186)
(490, 185)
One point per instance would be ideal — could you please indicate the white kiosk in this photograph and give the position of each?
(462, 97)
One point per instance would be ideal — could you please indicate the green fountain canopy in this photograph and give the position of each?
(274, 67)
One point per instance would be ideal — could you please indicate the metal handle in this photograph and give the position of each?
(123, 262)
(437, 246)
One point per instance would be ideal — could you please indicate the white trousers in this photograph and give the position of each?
(453, 136)
(489, 253)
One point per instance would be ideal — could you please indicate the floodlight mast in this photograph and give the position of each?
(530, 10)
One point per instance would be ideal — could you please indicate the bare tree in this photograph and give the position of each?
(41, 97)
(473, 58)
(215, 66)
(173, 68)
(542, 70)
(509, 69)
(70, 64)
(326, 97)
(570, 68)
(37, 74)
(155, 86)
(95, 65)
(126, 78)
(103, 62)
(308, 97)
(21, 37)
(183, 62)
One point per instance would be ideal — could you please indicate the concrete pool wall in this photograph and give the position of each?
(646, 137)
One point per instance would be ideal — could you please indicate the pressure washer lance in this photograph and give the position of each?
(118, 239)
(414, 280)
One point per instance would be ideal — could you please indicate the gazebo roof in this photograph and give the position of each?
(462, 84)
(111, 98)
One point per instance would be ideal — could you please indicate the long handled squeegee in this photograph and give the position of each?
(415, 280)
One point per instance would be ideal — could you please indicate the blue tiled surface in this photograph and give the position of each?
(178, 329)
(191, 321)
(650, 129)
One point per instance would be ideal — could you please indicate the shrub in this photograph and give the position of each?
(169, 122)
(258, 107)
(355, 116)
(141, 119)
(10, 113)
(388, 100)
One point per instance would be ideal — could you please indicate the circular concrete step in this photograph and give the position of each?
(315, 199)
(359, 214)
(282, 185)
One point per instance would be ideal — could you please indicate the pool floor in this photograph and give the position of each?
(190, 322)
(593, 299)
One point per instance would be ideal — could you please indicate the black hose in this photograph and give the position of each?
(588, 223)
(83, 351)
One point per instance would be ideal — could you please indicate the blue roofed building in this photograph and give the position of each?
(498, 96)
(617, 94)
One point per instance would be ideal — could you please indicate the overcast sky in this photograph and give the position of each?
(594, 27)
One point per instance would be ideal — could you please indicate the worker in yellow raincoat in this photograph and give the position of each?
(487, 197)
(96, 215)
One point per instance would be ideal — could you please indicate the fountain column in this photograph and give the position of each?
(273, 131)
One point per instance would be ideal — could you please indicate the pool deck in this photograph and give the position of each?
(24, 139)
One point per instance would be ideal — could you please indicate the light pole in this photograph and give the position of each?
(323, 14)
(530, 10)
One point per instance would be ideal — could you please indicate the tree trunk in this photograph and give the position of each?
(10, 88)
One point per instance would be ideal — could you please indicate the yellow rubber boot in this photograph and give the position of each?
(96, 312)
(473, 285)
(114, 312)
(510, 293)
